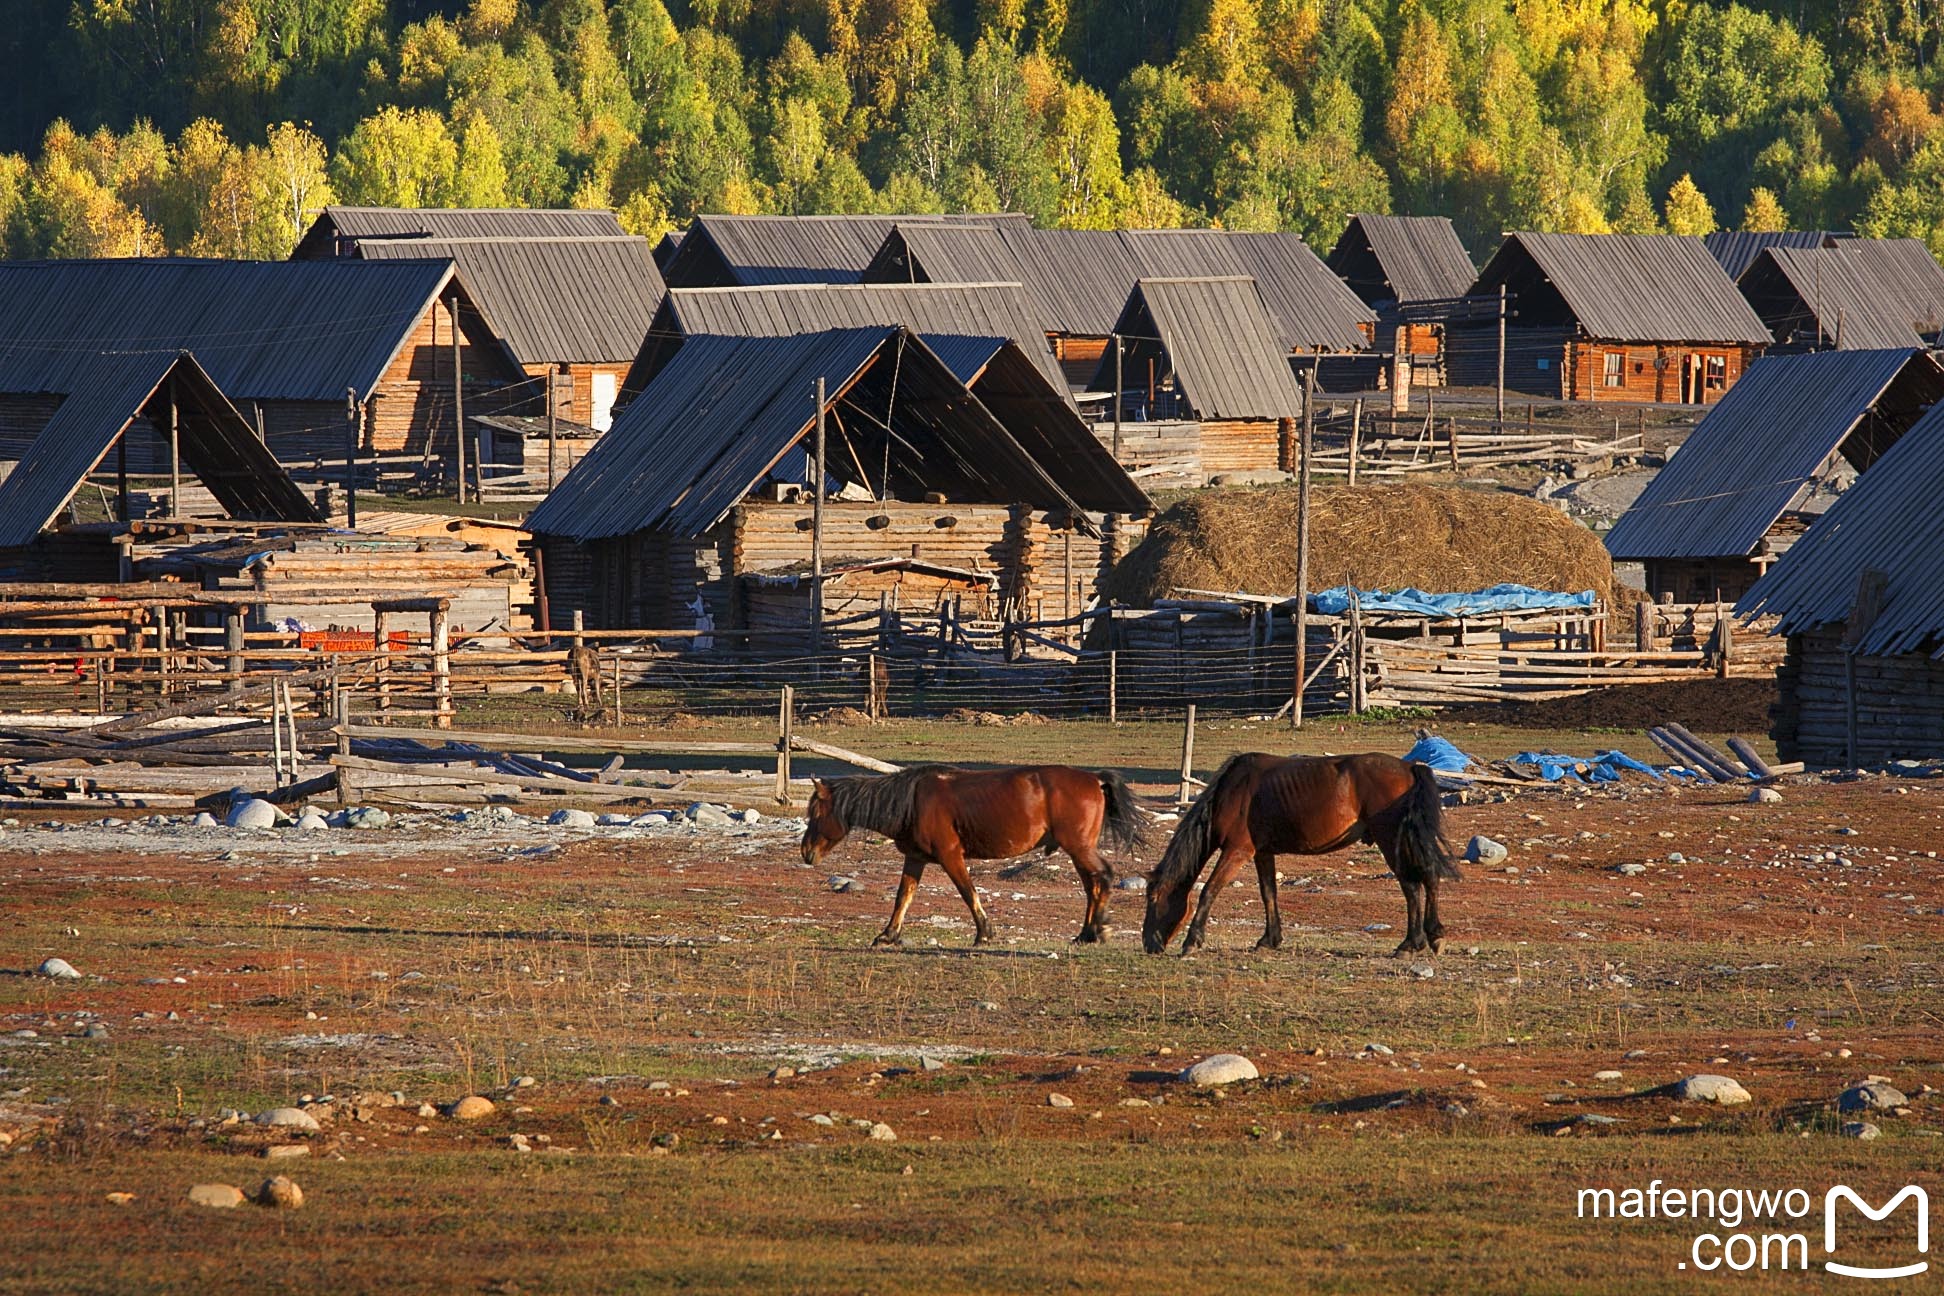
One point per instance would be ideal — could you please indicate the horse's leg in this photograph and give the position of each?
(1265, 862)
(1413, 900)
(1226, 868)
(1433, 929)
(1096, 879)
(914, 868)
(952, 860)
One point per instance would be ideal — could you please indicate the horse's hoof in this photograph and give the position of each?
(888, 938)
(1406, 946)
(1268, 944)
(1437, 946)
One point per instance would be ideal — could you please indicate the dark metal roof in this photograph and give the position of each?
(942, 310)
(1769, 436)
(337, 229)
(1630, 287)
(264, 330)
(1312, 308)
(1402, 258)
(1736, 250)
(552, 300)
(1908, 274)
(1216, 338)
(1888, 522)
(666, 249)
(1827, 296)
(722, 413)
(217, 445)
(757, 251)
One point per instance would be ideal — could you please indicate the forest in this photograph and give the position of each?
(212, 127)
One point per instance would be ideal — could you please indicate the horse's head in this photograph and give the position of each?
(822, 829)
(1167, 909)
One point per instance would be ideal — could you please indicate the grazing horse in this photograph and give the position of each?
(937, 812)
(1260, 806)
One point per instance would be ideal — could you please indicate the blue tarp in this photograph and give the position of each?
(1439, 755)
(1602, 767)
(1415, 602)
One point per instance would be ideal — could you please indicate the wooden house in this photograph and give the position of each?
(1736, 250)
(1750, 479)
(338, 230)
(1609, 317)
(701, 480)
(308, 351)
(1859, 601)
(1202, 356)
(765, 251)
(1855, 294)
(1398, 262)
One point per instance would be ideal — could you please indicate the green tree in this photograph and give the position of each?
(397, 159)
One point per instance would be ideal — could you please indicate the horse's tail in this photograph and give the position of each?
(1423, 855)
(1126, 823)
(1194, 837)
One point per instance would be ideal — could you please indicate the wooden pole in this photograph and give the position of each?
(351, 457)
(442, 667)
(580, 625)
(381, 644)
(458, 401)
(121, 477)
(175, 453)
(1113, 686)
(1501, 360)
(233, 647)
(1116, 339)
(1068, 541)
(1356, 437)
(553, 430)
(619, 717)
(1356, 653)
(343, 718)
(276, 735)
(785, 722)
(817, 525)
(1186, 794)
(1302, 553)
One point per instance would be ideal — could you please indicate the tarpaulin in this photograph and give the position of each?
(1439, 755)
(1415, 602)
(1602, 767)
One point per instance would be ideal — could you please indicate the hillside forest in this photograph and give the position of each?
(212, 127)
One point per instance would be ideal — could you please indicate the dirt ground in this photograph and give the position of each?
(702, 1056)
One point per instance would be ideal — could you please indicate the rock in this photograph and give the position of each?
(930, 1063)
(1135, 1102)
(287, 1118)
(1381, 1050)
(1607, 1077)
(782, 1073)
(842, 884)
(749, 816)
(615, 821)
(286, 1151)
(1675, 857)
(1861, 1130)
(1221, 1069)
(58, 969)
(704, 815)
(1630, 868)
(120, 1198)
(312, 822)
(1133, 883)
(1595, 1118)
(821, 1119)
(883, 1133)
(523, 1082)
(367, 817)
(1711, 1088)
(1062, 1101)
(471, 1108)
(1763, 796)
(1424, 971)
(1872, 1095)
(252, 813)
(95, 1030)
(203, 819)
(653, 819)
(571, 819)
(1483, 850)
(280, 1193)
(218, 1196)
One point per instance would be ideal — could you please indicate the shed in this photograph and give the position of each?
(1818, 298)
(759, 251)
(778, 604)
(1394, 261)
(1736, 250)
(572, 311)
(338, 230)
(1860, 602)
(653, 527)
(1610, 317)
(1750, 478)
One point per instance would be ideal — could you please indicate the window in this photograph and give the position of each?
(1715, 373)
(1615, 374)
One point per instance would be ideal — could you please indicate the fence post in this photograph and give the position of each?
(381, 644)
(1187, 759)
(619, 718)
(1644, 627)
(580, 626)
(233, 646)
(785, 719)
(343, 718)
(442, 666)
(1302, 557)
(1113, 686)
(1356, 437)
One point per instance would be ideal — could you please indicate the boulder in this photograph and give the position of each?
(1764, 796)
(1873, 1095)
(312, 822)
(1719, 1089)
(280, 1192)
(471, 1108)
(1221, 1069)
(218, 1196)
(58, 969)
(287, 1118)
(367, 817)
(252, 812)
(704, 815)
(1483, 850)
(570, 818)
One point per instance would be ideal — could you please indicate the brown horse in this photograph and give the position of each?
(1259, 806)
(937, 812)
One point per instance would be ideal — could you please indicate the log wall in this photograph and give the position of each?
(1899, 704)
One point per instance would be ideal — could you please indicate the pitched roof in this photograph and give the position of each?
(1632, 287)
(722, 413)
(1736, 250)
(1910, 276)
(337, 227)
(1888, 522)
(941, 310)
(1402, 258)
(1311, 307)
(217, 445)
(1767, 438)
(1823, 296)
(1218, 341)
(552, 300)
(264, 330)
(756, 251)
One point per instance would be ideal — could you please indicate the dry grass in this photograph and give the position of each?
(1437, 538)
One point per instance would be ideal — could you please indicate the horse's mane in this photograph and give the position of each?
(882, 803)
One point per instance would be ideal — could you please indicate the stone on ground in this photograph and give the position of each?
(704, 815)
(252, 813)
(218, 1196)
(1872, 1095)
(287, 1118)
(570, 818)
(1483, 850)
(312, 822)
(1764, 796)
(883, 1133)
(58, 969)
(280, 1192)
(471, 1108)
(1221, 1069)
(1718, 1089)
(1058, 1100)
(1861, 1130)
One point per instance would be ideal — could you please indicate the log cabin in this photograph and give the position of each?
(1609, 317)
(1856, 294)
(1401, 261)
(1751, 478)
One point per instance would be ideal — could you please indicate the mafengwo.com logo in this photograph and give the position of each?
(1743, 1230)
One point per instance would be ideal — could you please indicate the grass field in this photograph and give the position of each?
(650, 986)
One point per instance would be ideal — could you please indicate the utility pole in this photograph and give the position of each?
(1501, 359)
(175, 451)
(1116, 339)
(817, 525)
(351, 457)
(1302, 551)
(553, 447)
(458, 401)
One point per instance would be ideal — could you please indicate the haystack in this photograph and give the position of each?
(1436, 538)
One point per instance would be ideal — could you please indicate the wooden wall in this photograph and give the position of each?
(1700, 580)
(1652, 372)
(411, 412)
(574, 388)
(1079, 357)
(1899, 704)
(1240, 445)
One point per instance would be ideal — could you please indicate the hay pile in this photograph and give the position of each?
(1437, 538)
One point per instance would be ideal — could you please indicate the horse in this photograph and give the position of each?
(1260, 805)
(949, 815)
